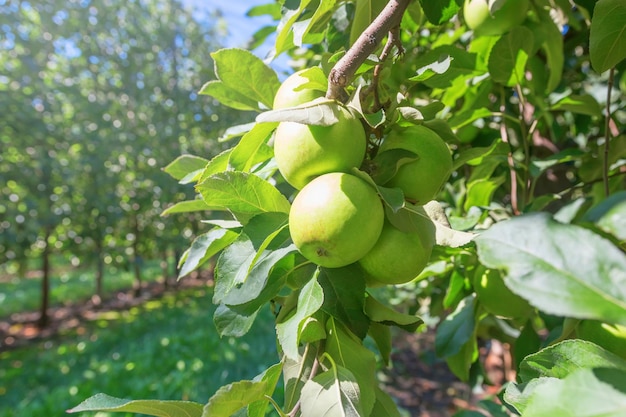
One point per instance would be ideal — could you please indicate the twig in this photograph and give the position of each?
(607, 134)
(343, 71)
(392, 40)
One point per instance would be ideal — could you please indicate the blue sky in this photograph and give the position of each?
(241, 27)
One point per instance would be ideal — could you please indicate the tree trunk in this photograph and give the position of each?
(99, 271)
(45, 282)
(137, 261)
(165, 268)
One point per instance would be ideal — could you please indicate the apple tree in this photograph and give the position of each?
(470, 153)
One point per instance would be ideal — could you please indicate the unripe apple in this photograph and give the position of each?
(303, 152)
(336, 219)
(420, 180)
(296, 89)
(399, 256)
(477, 16)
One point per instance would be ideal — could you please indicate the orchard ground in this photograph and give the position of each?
(417, 379)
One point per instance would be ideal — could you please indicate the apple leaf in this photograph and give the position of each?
(205, 246)
(381, 313)
(218, 164)
(386, 164)
(246, 74)
(566, 357)
(271, 375)
(310, 300)
(252, 148)
(103, 402)
(509, 55)
(319, 112)
(332, 393)
(349, 352)
(243, 194)
(607, 40)
(392, 197)
(599, 392)
(182, 166)
(232, 397)
(186, 207)
(228, 97)
(584, 104)
(456, 329)
(296, 373)
(439, 11)
(231, 323)
(561, 269)
(445, 235)
(610, 215)
(344, 296)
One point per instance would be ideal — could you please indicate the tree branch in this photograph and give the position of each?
(343, 71)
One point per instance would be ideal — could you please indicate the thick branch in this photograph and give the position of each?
(343, 71)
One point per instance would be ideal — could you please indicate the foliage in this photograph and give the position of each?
(89, 89)
(535, 126)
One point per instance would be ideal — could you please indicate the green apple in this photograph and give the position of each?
(612, 337)
(336, 219)
(420, 180)
(496, 297)
(477, 16)
(399, 256)
(301, 87)
(303, 152)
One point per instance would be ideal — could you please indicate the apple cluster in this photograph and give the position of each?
(338, 217)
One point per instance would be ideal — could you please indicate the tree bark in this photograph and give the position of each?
(342, 73)
(44, 319)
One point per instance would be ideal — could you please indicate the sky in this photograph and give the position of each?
(240, 27)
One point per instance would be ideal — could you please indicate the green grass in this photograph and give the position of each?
(67, 284)
(166, 349)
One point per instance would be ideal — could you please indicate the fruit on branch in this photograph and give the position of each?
(336, 219)
(399, 256)
(421, 179)
(496, 297)
(303, 152)
(612, 337)
(300, 87)
(509, 14)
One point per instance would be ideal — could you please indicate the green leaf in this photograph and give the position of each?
(392, 197)
(586, 392)
(610, 215)
(231, 323)
(480, 192)
(561, 269)
(227, 96)
(205, 246)
(232, 397)
(271, 375)
(218, 164)
(457, 328)
(184, 165)
(296, 373)
(252, 148)
(365, 12)
(380, 313)
(332, 393)
(103, 402)
(381, 335)
(509, 55)
(349, 352)
(242, 71)
(444, 234)
(566, 357)
(578, 104)
(439, 11)
(186, 207)
(441, 66)
(288, 332)
(607, 41)
(319, 112)
(344, 296)
(384, 405)
(386, 164)
(244, 195)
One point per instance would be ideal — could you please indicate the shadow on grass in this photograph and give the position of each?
(164, 349)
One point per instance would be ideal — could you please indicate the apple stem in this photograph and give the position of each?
(342, 73)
